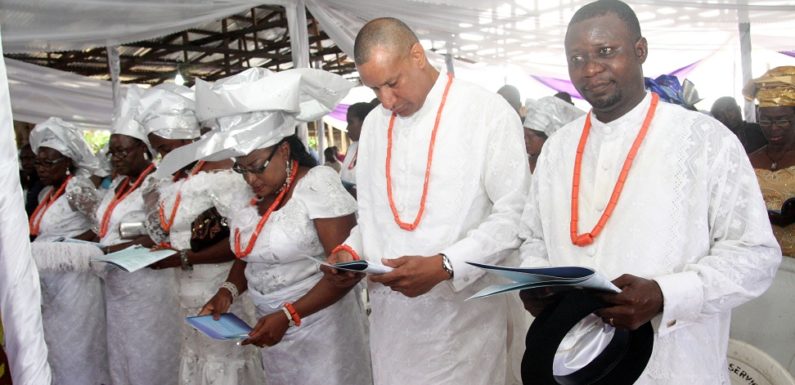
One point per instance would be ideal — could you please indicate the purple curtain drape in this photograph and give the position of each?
(565, 85)
(340, 112)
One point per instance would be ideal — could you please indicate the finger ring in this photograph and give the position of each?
(610, 321)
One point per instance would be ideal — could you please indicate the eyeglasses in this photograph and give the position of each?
(47, 162)
(122, 153)
(781, 123)
(255, 170)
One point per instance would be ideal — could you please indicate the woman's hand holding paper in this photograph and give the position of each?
(269, 330)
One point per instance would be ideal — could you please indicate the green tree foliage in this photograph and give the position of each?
(96, 139)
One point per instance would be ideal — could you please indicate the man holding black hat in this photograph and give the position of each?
(660, 197)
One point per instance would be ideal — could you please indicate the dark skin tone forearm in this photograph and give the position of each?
(219, 252)
(413, 275)
(222, 300)
(325, 293)
(86, 236)
(270, 329)
(143, 240)
(640, 300)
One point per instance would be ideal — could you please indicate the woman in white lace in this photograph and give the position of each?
(142, 312)
(289, 219)
(168, 116)
(73, 310)
(310, 214)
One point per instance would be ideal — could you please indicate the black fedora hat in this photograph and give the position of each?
(620, 363)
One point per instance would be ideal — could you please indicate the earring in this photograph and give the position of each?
(288, 169)
(147, 156)
(68, 172)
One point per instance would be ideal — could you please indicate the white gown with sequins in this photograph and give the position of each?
(204, 361)
(142, 309)
(73, 307)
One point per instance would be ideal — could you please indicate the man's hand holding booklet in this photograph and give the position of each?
(532, 278)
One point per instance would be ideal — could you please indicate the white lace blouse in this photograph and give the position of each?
(280, 257)
(60, 220)
(198, 194)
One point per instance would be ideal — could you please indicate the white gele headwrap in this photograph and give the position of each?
(549, 113)
(169, 111)
(125, 122)
(256, 109)
(67, 139)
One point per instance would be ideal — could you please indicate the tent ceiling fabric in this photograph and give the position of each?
(257, 37)
(39, 92)
(526, 34)
(220, 45)
(67, 25)
(529, 33)
(522, 32)
(204, 39)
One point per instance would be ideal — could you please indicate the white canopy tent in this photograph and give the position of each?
(498, 42)
(63, 25)
(510, 40)
(521, 42)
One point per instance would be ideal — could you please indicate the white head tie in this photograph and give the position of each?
(67, 139)
(256, 109)
(124, 123)
(549, 113)
(169, 111)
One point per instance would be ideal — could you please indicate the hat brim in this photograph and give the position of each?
(620, 363)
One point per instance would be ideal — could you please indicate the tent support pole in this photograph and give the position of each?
(299, 44)
(744, 27)
(114, 67)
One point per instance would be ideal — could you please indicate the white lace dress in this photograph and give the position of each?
(330, 346)
(73, 308)
(204, 361)
(142, 312)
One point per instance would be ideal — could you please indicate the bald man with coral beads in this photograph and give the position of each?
(442, 176)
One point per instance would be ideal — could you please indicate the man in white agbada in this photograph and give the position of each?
(687, 239)
(426, 219)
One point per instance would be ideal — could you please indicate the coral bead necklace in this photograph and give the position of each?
(413, 225)
(588, 238)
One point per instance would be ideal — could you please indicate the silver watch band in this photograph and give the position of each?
(184, 261)
(447, 265)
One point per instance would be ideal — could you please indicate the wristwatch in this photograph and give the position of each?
(447, 266)
(184, 261)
